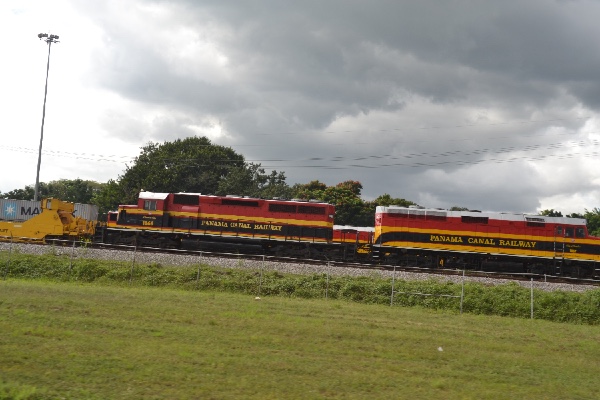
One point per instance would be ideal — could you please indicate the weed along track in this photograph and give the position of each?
(288, 265)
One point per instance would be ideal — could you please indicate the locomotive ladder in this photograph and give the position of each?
(560, 254)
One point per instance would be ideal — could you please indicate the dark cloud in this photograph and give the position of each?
(451, 103)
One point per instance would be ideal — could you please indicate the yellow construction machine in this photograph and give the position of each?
(55, 221)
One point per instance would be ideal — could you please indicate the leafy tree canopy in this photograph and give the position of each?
(551, 213)
(387, 200)
(24, 194)
(74, 190)
(108, 198)
(593, 221)
(192, 165)
(350, 208)
(252, 180)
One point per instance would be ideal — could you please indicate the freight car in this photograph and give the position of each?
(22, 210)
(357, 241)
(486, 240)
(233, 223)
(45, 220)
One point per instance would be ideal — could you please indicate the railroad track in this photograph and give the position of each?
(525, 276)
(337, 264)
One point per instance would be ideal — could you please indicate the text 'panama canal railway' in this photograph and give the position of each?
(482, 241)
(414, 236)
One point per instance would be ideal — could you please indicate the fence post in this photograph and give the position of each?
(262, 266)
(327, 283)
(198, 274)
(71, 259)
(9, 253)
(393, 282)
(462, 292)
(133, 263)
(531, 298)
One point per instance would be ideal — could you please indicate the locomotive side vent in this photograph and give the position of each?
(535, 222)
(534, 219)
(398, 212)
(467, 219)
(302, 209)
(436, 215)
(285, 208)
(417, 214)
(186, 199)
(240, 203)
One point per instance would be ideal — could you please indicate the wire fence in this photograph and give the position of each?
(394, 293)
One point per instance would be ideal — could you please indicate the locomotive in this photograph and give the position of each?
(486, 240)
(405, 236)
(411, 236)
(293, 228)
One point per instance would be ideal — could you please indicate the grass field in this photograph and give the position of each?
(72, 341)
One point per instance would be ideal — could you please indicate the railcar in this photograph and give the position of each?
(50, 219)
(22, 210)
(357, 241)
(486, 240)
(196, 221)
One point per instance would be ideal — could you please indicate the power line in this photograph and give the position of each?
(337, 159)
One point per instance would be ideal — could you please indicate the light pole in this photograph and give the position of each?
(48, 39)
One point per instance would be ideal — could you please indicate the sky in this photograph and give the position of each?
(490, 105)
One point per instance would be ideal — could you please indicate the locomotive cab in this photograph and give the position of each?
(147, 214)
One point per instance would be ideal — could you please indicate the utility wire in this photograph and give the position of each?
(453, 153)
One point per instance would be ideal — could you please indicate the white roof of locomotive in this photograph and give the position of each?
(153, 196)
(356, 228)
(162, 196)
(491, 215)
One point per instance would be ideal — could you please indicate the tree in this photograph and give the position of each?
(354, 187)
(387, 200)
(576, 215)
(251, 180)
(350, 209)
(73, 190)
(551, 213)
(308, 191)
(23, 194)
(192, 165)
(275, 186)
(76, 190)
(108, 197)
(593, 221)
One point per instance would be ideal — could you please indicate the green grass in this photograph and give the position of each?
(504, 300)
(84, 341)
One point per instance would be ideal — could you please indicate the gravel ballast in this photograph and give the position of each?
(256, 264)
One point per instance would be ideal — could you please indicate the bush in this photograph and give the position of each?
(510, 299)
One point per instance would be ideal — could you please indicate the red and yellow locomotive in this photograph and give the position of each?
(541, 244)
(411, 236)
(195, 221)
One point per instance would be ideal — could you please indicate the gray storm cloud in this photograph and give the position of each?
(444, 103)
